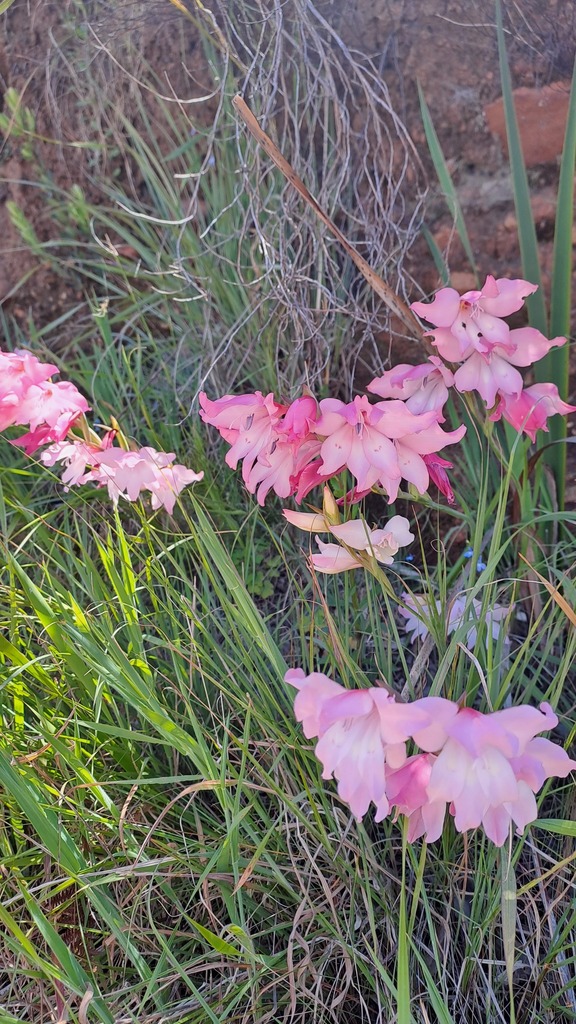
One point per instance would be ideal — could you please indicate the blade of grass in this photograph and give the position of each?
(526, 230)
(445, 179)
(556, 366)
(509, 912)
(403, 968)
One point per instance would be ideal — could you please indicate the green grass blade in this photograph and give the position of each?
(509, 914)
(560, 305)
(558, 826)
(445, 179)
(555, 366)
(526, 230)
(438, 1005)
(403, 970)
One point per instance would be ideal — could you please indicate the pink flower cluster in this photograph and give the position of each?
(29, 396)
(126, 474)
(292, 448)
(51, 409)
(483, 768)
(468, 330)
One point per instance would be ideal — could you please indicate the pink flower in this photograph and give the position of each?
(353, 439)
(491, 765)
(530, 410)
(127, 473)
(382, 544)
(494, 373)
(437, 467)
(167, 482)
(469, 331)
(78, 457)
(333, 558)
(308, 474)
(247, 422)
(472, 320)
(273, 470)
(50, 408)
(361, 732)
(414, 451)
(423, 388)
(276, 442)
(299, 420)
(407, 790)
(18, 371)
(381, 443)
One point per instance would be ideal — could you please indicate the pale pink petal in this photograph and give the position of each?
(361, 460)
(524, 810)
(396, 754)
(348, 704)
(412, 465)
(440, 712)
(449, 347)
(379, 451)
(530, 346)
(333, 558)
(273, 470)
(355, 533)
(336, 449)
(524, 722)
(504, 296)
(488, 375)
(399, 528)
(309, 521)
(449, 773)
(394, 419)
(470, 804)
(433, 439)
(399, 382)
(443, 309)
(486, 331)
(314, 691)
(494, 774)
(554, 760)
(398, 721)
(433, 814)
(496, 823)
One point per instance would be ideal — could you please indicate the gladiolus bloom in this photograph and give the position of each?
(492, 765)
(424, 388)
(485, 768)
(125, 474)
(468, 330)
(530, 411)
(473, 320)
(359, 733)
(383, 544)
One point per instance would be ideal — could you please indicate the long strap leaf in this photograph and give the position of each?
(526, 230)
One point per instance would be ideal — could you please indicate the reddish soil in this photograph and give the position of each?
(449, 46)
